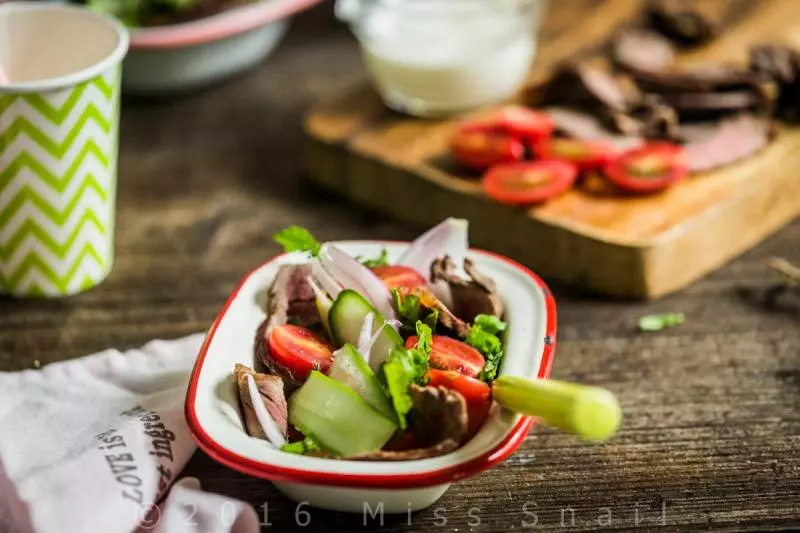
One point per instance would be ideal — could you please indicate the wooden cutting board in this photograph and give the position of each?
(626, 247)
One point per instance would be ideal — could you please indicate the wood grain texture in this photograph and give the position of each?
(711, 423)
(663, 242)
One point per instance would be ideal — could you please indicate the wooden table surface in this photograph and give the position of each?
(711, 430)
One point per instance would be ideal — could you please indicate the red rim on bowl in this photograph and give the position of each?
(446, 474)
(218, 26)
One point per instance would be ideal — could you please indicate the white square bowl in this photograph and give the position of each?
(213, 414)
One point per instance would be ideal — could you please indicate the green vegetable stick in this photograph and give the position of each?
(659, 322)
(592, 413)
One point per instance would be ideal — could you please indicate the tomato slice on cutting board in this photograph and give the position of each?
(587, 155)
(478, 148)
(530, 182)
(451, 354)
(648, 169)
(300, 350)
(477, 394)
(523, 123)
(397, 276)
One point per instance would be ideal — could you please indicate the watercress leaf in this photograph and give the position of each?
(381, 260)
(432, 320)
(301, 447)
(424, 338)
(488, 344)
(660, 322)
(294, 447)
(405, 367)
(490, 324)
(298, 239)
(397, 374)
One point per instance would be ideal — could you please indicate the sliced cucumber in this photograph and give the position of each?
(350, 369)
(346, 317)
(339, 420)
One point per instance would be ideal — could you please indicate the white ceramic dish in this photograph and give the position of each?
(214, 417)
(186, 56)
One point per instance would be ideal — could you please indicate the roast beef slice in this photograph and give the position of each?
(581, 85)
(290, 299)
(447, 318)
(580, 124)
(650, 118)
(781, 66)
(471, 297)
(641, 49)
(728, 141)
(700, 79)
(438, 422)
(683, 21)
(270, 389)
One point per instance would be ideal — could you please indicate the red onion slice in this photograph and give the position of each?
(447, 238)
(274, 435)
(364, 346)
(351, 274)
(324, 280)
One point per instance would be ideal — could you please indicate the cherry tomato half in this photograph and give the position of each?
(300, 350)
(524, 124)
(476, 393)
(587, 155)
(450, 354)
(648, 169)
(479, 149)
(530, 182)
(396, 276)
(518, 122)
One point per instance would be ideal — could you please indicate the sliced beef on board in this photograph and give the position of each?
(708, 91)
(613, 100)
(730, 141)
(290, 299)
(270, 389)
(578, 84)
(685, 22)
(700, 79)
(437, 421)
(470, 297)
(651, 118)
(583, 125)
(691, 104)
(776, 62)
(641, 49)
(780, 65)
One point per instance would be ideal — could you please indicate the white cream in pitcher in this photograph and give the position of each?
(439, 56)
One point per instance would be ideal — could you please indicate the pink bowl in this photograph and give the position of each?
(193, 54)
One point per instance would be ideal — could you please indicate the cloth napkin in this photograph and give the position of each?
(93, 444)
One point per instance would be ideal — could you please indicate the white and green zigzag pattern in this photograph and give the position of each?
(57, 188)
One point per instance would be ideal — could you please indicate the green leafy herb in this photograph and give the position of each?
(381, 260)
(432, 319)
(490, 324)
(410, 311)
(405, 367)
(297, 239)
(483, 337)
(659, 322)
(301, 447)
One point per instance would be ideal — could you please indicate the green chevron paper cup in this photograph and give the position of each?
(59, 117)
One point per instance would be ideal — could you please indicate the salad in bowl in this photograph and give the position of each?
(383, 370)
